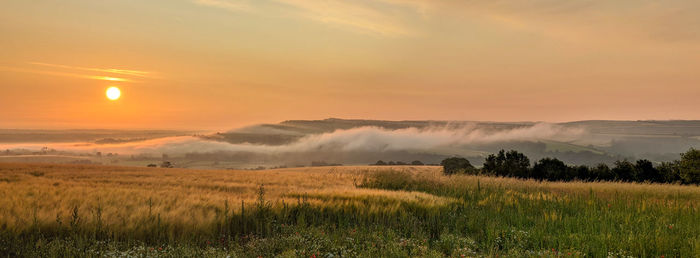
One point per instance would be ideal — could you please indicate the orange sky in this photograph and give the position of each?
(218, 64)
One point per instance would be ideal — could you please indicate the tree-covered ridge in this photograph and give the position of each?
(515, 164)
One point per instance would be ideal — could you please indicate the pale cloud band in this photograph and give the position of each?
(116, 75)
(358, 16)
(104, 70)
(620, 22)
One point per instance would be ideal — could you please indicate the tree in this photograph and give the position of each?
(644, 171)
(517, 164)
(511, 163)
(456, 165)
(582, 173)
(602, 172)
(623, 170)
(417, 163)
(380, 163)
(669, 171)
(689, 167)
(493, 163)
(550, 169)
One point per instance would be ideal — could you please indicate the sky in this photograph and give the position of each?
(218, 64)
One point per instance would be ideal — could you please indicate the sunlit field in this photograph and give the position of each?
(82, 210)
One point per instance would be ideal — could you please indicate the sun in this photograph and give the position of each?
(113, 93)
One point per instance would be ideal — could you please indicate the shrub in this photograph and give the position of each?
(456, 165)
(511, 163)
(689, 167)
(550, 169)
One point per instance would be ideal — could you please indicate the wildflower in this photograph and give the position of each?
(208, 242)
(160, 248)
(670, 226)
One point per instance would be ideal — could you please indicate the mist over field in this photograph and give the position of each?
(337, 141)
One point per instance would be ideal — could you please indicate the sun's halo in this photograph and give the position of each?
(113, 93)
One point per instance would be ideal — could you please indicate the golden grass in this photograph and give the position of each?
(129, 195)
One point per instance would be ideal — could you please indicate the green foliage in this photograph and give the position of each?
(624, 170)
(509, 164)
(602, 172)
(515, 164)
(550, 169)
(644, 171)
(669, 171)
(531, 222)
(456, 165)
(417, 163)
(689, 167)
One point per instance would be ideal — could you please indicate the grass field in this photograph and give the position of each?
(82, 210)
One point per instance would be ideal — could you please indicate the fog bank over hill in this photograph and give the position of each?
(338, 141)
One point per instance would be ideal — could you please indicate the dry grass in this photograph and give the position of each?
(129, 195)
(501, 215)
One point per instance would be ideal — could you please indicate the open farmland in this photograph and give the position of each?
(86, 210)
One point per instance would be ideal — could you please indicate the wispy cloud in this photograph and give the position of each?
(106, 74)
(104, 70)
(378, 17)
(237, 6)
(583, 21)
(66, 74)
(631, 23)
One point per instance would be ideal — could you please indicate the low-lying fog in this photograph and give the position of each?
(295, 143)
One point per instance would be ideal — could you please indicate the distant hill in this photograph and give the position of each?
(100, 136)
(361, 142)
(291, 130)
(604, 141)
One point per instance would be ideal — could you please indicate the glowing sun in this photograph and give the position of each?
(113, 93)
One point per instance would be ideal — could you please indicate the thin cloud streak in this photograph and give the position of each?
(575, 21)
(105, 70)
(64, 74)
(353, 15)
(623, 23)
(236, 6)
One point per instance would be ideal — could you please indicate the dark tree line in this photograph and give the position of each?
(398, 163)
(515, 164)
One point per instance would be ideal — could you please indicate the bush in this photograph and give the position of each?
(644, 171)
(602, 172)
(623, 170)
(550, 169)
(689, 167)
(510, 164)
(457, 165)
(417, 163)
